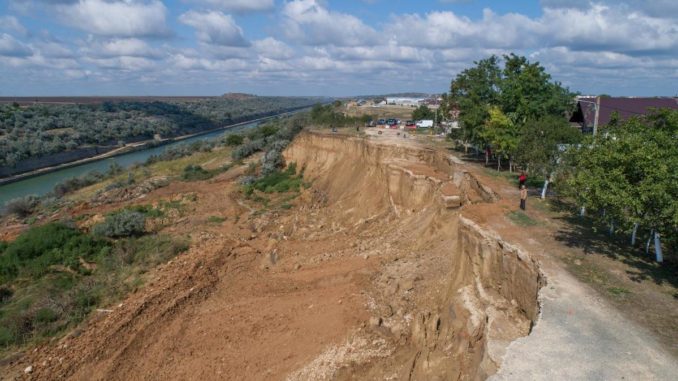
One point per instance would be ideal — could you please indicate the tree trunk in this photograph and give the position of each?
(582, 211)
(658, 248)
(498, 163)
(634, 234)
(649, 240)
(487, 158)
(548, 180)
(510, 164)
(611, 227)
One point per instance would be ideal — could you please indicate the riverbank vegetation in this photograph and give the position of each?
(39, 130)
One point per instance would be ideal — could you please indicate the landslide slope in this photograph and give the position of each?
(372, 274)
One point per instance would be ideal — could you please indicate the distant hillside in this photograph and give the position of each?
(238, 96)
(37, 135)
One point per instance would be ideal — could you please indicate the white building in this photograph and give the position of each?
(404, 101)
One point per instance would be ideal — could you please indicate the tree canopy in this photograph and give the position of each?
(516, 109)
(629, 171)
(422, 112)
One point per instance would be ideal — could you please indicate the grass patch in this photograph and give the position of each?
(216, 219)
(618, 291)
(521, 219)
(46, 248)
(54, 275)
(277, 182)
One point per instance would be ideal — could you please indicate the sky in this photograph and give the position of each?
(328, 47)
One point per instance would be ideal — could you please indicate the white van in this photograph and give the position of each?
(426, 123)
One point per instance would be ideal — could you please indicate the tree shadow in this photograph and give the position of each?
(582, 233)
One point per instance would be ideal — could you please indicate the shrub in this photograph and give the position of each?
(22, 206)
(249, 148)
(195, 172)
(75, 183)
(215, 219)
(40, 247)
(46, 315)
(278, 181)
(147, 210)
(125, 223)
(234, 139)
(5, 294)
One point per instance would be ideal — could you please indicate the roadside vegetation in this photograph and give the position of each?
(623, 179)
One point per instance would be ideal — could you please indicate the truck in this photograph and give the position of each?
(425, 123)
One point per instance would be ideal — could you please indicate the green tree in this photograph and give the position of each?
(473, 91)
(500, 131)
(527, 92)
(538, 148)
(628, 173)
(422, 112)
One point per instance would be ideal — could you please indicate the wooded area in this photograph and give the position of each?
(40, 130)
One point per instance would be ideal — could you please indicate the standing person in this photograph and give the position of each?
(523, 196)
(522, 179)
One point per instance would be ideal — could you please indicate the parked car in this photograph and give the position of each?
(410, 124)
(426, 123)
(381, 122)
(371, 123)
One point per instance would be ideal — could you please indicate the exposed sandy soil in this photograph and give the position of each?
(372, 274)
(390, 266)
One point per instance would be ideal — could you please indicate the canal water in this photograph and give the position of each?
(42, 184)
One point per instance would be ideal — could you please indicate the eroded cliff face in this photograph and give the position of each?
(452, 296)
(372, 273)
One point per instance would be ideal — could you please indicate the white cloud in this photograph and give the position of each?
(54, 49)
(123, 18)
(602, 27)
(12, 24)
(131, 47)
(11, 47)
(215, 28)
(311, 23)
(238, 5)
(448, 30)
(125, 63)
(271, 48)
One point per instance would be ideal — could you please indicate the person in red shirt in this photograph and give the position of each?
(522, 179)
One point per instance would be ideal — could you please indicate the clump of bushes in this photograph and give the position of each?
(125, 223)
(35, 251)
(75, 183)
(272, 159)
(53, 275)
(248, 149)
(22, 206)
(278, 182)
(183, 150)
(234, 140)
(195, 173)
